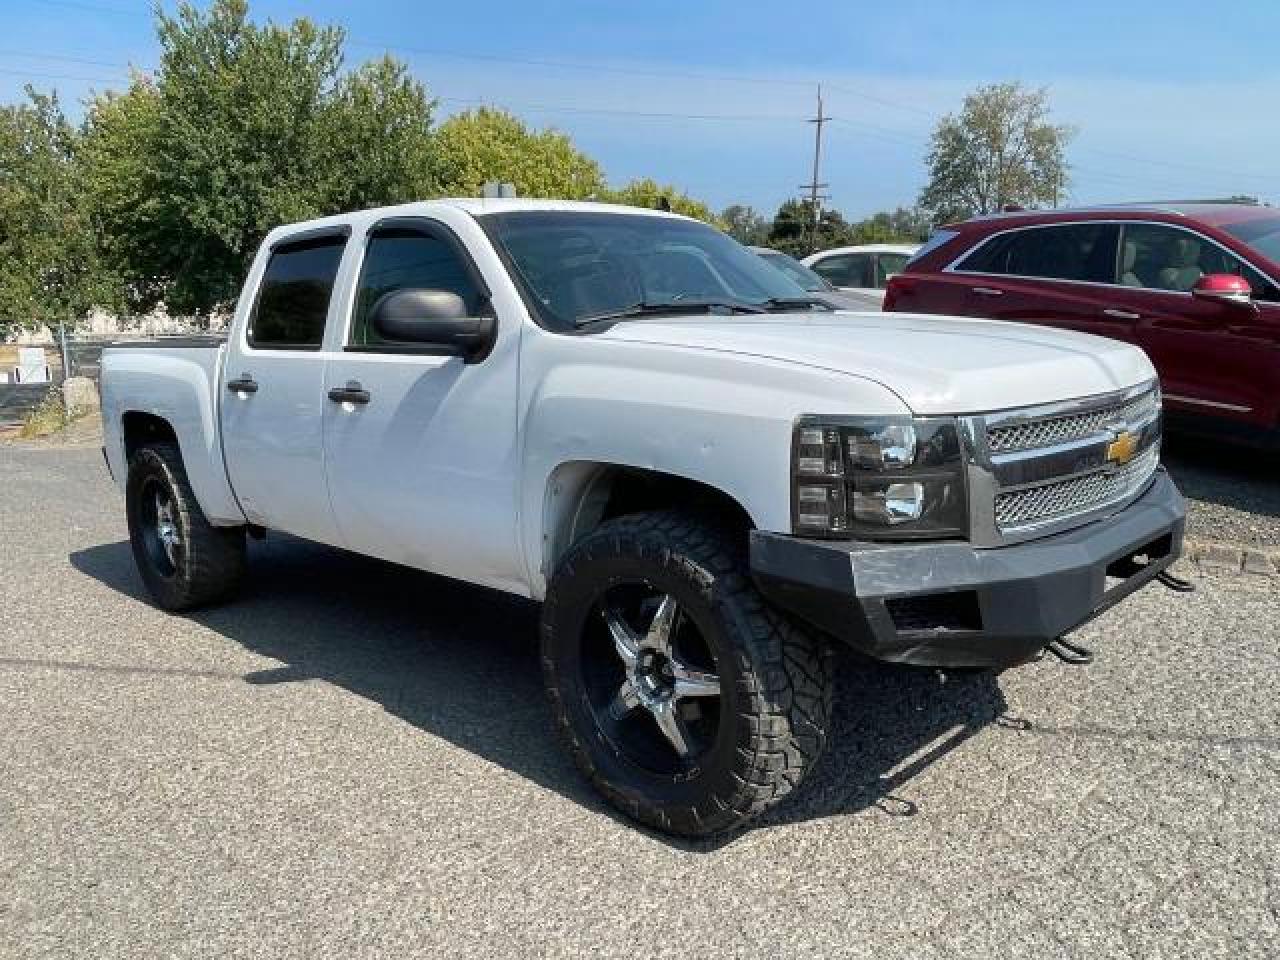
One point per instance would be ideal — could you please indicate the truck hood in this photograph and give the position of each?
(936, 365)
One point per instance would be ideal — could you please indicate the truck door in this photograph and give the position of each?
(420, 446)
(272, 398)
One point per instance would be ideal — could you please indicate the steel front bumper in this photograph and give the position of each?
(948, 604)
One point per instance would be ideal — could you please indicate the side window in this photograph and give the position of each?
(1084, 252)
(846, 270)
(1165, 258)
(397, 258)
(888, 264)
(293, 299)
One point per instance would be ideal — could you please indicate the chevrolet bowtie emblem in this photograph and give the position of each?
(1121, 449)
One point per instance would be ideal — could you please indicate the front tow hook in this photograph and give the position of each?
(1071, 653)
(1176, 584)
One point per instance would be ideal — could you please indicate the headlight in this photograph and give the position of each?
(881, 478)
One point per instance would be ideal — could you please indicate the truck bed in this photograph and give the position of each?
(177, 380)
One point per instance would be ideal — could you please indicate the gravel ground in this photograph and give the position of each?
(1238, 502)
(355, 760)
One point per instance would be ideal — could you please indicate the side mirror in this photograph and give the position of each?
(1224, 288)
(433, 318)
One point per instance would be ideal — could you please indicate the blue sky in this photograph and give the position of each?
(1171, 99)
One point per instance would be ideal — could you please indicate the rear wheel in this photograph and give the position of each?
(689, 703)
(184, 560)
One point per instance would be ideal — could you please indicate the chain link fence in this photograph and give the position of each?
(31, 365)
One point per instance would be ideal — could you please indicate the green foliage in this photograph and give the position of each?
(243, 128)
(168, 189)
(486, 144)
(792, 229)
(1000, 150)
(48, 263)
(745, 225)
(654, 196)
(903, 225)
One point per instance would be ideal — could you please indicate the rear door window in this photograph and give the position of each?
(846, 270)
(1084, 252)
(887, 264)
(293, 299)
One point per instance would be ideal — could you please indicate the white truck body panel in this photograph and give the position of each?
(937, 365)
(179, 385)
(468, 470)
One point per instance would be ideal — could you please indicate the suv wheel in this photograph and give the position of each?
(690, 704)
(184, 560)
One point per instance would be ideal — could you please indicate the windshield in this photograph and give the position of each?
(797, 271)
(1263, 235)
(574, 265)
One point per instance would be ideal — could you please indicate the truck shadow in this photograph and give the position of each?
(460, 662)
(1239, 478)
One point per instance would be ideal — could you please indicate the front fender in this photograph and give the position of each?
(724, 420)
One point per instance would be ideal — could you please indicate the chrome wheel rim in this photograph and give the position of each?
(651, 677)
(162, 531)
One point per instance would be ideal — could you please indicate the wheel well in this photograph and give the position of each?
(143, 428)
(585, 495)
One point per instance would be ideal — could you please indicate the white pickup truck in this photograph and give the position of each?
(708, 479)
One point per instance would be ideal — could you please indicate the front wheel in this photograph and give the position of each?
(184, 560)
(688, 702)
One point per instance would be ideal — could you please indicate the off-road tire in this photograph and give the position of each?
(777, 680)
(212, 560)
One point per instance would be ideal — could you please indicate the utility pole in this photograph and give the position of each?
(815, 185)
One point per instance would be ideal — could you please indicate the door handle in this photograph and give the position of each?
(353, 392)
(243, 384)
(988, 291)
(1123, 314)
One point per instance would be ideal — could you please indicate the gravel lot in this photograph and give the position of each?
(1234, 493)
(354, 760)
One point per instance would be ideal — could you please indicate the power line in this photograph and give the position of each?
(610, 111)
(1179, 165)
(61, 58)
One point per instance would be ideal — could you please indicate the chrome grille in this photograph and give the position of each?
(1037, 470)
(1046, 432)
(1078, 494)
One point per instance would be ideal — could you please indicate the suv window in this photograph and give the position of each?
(846, 270)
(887, 264)
(401, 257)
(1078, 251)
(293, 299)
(1156, 257)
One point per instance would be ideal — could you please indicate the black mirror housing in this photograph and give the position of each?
(433, 318)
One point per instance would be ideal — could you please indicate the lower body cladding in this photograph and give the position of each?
(951, 605)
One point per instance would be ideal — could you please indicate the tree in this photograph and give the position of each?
(485, 144)
(745, 225)
(49, 270)
(1000, 150)
(379, 144)
(652, 195)
(903, 225)
(792, 229)
(243, 128)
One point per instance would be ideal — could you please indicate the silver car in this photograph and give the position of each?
(818, 286)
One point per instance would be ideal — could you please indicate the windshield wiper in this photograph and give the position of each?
(645, 308)
(777, 304)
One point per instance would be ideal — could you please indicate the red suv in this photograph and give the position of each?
(1197, 286)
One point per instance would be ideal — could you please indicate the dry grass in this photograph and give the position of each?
(49, 417)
